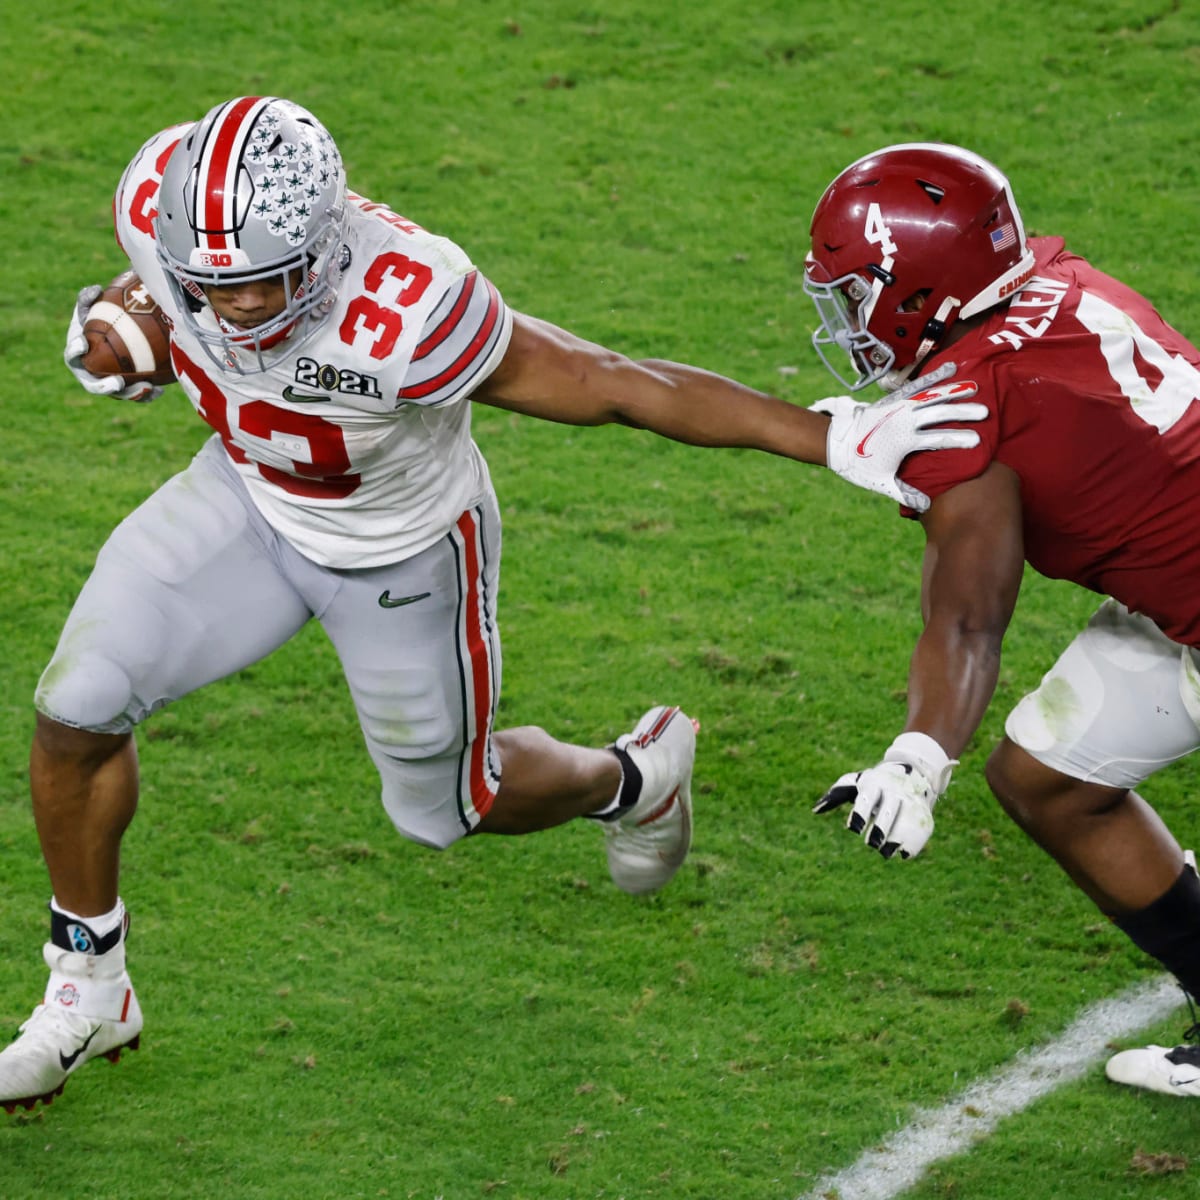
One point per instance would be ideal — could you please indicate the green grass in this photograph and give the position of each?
(332, 1012)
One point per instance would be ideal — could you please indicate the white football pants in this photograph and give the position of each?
(194, 585)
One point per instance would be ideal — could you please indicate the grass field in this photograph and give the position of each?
(335, 1013)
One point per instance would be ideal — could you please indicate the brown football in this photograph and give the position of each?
(128, 334)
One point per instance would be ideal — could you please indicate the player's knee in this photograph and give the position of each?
(431, 836)
(62, 744)
(426, 815)
(1026, 789)
(87, 692)
(1042, 801)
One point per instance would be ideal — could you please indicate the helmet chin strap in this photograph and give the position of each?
(896, 379)
(935, 330)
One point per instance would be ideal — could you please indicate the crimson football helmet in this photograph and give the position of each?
(254, 190)
(905, 242)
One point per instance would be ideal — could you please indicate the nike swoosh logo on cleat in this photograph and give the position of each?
(67, 1061)
(386, 601)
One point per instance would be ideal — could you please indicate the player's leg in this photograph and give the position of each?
(1112, 844)
(83, 786)
(647, 819)
(1114, 709)
(425, 676)
(185, 591)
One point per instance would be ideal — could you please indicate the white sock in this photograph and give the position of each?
(105, 928)
(105, 923)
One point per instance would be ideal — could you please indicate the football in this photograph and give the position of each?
(128, 334)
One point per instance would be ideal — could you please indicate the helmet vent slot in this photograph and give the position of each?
(935, 193)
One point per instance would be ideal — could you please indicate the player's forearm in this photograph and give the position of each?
(552, 374)
(952, 677)
(702, 408)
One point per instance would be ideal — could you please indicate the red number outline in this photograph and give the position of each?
(324, 478)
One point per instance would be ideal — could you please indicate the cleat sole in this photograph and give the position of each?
(28, 1103)
(114, 1055)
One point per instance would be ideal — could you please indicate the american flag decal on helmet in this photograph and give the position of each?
(1003, 237)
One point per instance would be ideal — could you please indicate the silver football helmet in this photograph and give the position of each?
(255, 190)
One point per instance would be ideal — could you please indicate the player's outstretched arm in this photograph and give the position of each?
(973, 566)
(550, 373)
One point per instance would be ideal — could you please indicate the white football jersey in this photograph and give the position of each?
(355, 444)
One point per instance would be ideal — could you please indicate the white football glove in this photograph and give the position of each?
(893, 802)
(867, 443)
(77, 347)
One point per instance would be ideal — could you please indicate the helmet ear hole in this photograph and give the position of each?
(915, 302)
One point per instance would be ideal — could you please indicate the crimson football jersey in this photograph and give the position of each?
(1092, 398)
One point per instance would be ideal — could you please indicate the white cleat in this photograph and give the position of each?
(650, 842)
(1172, 1071)
(89, 1011)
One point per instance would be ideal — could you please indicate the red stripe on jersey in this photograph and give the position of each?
(443, 331)
(483, 793)
(214, 180)
(457, 367)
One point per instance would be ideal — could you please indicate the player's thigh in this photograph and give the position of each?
(1114, 708)
(185, 591)
(420, 648)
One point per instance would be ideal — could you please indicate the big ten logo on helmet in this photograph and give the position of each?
(328, 378)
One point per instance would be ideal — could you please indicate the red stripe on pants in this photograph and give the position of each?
(483, 793)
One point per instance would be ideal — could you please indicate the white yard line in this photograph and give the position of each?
(936, 1133)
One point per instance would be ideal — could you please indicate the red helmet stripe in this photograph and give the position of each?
(219, 166)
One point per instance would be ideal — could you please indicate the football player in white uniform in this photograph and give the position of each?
(332, 346)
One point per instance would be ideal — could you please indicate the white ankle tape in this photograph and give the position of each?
(92, 986)
(96, 999)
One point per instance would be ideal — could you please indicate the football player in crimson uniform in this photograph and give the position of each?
(1088, 469)
(333, 345)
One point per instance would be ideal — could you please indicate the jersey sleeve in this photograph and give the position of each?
(937, 471)
(462, 342)
(135, 204)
